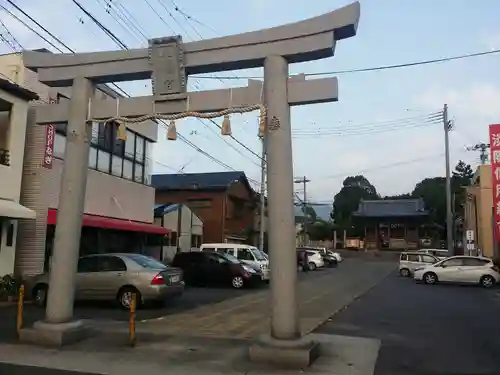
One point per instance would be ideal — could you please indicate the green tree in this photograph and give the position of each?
(433, 192)
(461, 176)
(320, 230)
(346, 201)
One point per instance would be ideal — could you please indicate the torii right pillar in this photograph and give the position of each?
(284, 345)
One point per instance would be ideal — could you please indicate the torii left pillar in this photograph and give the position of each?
(58, 327)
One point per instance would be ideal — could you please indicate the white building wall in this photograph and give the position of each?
(107, 195)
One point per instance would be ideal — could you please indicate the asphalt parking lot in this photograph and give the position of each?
(226, 312)
(426, 330)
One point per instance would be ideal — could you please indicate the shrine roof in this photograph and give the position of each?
(391, 208)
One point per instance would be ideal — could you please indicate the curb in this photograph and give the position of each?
(13, 303)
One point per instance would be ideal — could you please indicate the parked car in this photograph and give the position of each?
(212, 268)
(410, 261)
(460, 269)
(330, 260)
(314, 259)
(245, 253)
(336, 255)
(116, 277)
(302, 261)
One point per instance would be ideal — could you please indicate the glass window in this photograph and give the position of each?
(138, 173)
(111, 264)
(105, 135)
(428, 259)
(147, 171)
(404, 257)
(92, 158)
(103, 159)
(226, 250)
(59, 145)
(130, 145)
(117, 166)
(245, 254)
(128, 169)
(147, 262)
(139, 149)
(474, 262)
(413, 258)
(95, 133)
(88, 264)
(455, 262)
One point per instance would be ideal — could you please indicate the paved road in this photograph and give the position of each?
(7, 369)
(248, 316)
(427, 330)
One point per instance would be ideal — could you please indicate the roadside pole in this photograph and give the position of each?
(262, 194)
(449, 212)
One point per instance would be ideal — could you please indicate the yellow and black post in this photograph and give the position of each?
(20, 307)
(132, 320)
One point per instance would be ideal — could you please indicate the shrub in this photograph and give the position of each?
(9, 286)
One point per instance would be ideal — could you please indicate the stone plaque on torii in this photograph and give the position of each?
(169, 62)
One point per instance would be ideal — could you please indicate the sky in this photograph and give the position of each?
(381, 126)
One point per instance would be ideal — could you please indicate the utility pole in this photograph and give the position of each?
(483, 151)
(449, 213)
(304, 181)
(262, 194)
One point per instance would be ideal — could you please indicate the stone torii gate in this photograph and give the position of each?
(169, 62)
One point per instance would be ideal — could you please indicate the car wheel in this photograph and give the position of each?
(487, 281)
(405, 272)
(125, 297)
(312, 266)
(40, 292)
(237, 282)
(430, 278)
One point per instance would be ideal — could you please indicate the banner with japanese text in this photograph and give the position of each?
(495, 170)
(50, 133)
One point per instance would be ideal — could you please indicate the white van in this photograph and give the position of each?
(245, 253)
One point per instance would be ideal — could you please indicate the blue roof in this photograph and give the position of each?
(391, 208)
(162, 209)
(195, 181)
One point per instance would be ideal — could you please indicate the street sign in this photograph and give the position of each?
(469, 235)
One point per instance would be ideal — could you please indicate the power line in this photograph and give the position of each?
(30, 28)
(374, 127)
(39, 25)
(124, 46)
(376, 68)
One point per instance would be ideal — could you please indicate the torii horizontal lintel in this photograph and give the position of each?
(306, 40)
(300, 92)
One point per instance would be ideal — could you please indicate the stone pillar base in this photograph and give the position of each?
(300, 353)
(43, 333)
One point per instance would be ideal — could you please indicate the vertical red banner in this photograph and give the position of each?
(495, 171)
(50, 133)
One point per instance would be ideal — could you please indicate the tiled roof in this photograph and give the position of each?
(391, 208)
(195, 181)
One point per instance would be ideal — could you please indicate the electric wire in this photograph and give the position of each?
(124, 46)
(377, 68)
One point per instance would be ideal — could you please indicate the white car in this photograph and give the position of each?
(314, 259)
(460, 269)
(335, 255)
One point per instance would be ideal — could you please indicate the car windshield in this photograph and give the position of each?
(259, 255)
(147, 262)
(230, 258)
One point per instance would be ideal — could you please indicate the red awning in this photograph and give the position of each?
(112, 223)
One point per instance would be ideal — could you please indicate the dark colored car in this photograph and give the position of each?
(210, 268)
(302, 260)
(330, 260)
